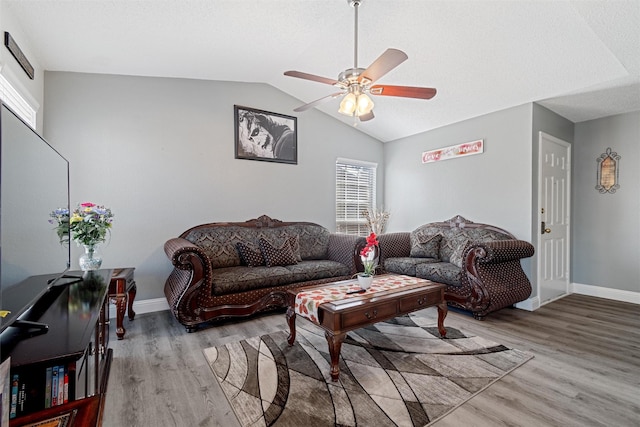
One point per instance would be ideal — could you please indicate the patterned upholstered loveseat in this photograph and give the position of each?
(479, 263)
(233, 269)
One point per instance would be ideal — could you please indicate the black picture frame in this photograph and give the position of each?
(265, 136)
(17, 53)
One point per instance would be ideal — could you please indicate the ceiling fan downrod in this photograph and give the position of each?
(355, 4)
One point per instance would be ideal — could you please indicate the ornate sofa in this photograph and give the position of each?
(234, 269)
(479, 263)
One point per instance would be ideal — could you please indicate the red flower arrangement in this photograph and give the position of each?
(368, 254)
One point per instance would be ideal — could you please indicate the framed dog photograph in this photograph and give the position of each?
(262, 135)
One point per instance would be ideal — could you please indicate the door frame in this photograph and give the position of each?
(567, 145)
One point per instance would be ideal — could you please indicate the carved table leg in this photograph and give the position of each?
(335, 344)
(120, 308)
(291, 320)
(131, 296)
(442, 313)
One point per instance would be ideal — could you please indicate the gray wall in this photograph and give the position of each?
(606, 227)
(160, 153)
(493, 187)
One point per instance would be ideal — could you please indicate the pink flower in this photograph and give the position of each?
(372, 240)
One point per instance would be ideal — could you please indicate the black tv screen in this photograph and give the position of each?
(34, 181)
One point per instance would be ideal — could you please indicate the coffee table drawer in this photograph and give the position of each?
(416, 302)
(368, 315)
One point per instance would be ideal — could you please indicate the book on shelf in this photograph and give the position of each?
(34, 389)
(14, 396)
(47, 387)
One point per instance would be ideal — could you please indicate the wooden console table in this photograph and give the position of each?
(75, 312)
(122, 292)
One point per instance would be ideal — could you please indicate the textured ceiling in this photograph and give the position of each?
(580, 59)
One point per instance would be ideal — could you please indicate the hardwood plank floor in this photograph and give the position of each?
(586, 369)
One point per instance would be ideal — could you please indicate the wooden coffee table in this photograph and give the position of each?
(339, 312)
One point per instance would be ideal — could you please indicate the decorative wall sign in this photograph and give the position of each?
(15, 50)
(261, 135)
(607, 172)
(454, 151)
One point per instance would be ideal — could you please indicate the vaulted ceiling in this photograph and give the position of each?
(580, 59)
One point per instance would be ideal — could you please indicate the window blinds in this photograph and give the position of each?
(355, 192)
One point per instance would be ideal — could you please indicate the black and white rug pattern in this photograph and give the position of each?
(395, 373)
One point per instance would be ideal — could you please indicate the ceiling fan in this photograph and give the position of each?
(356, 83)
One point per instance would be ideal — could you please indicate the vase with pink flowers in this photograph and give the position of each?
(369, 258)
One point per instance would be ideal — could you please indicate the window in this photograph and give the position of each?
(355, 192)
(16, 102)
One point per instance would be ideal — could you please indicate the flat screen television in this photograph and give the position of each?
(34, 181)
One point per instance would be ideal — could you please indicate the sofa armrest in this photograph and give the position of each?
(489, 269)
(192, 271)
(500, 251)
(345, 249)
(184, 255)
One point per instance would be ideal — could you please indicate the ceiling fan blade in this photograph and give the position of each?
(403, 91)
(312, 77)
(305, 107)
(366, 117)
(386, 62)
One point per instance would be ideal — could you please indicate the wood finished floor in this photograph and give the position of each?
(586, 369)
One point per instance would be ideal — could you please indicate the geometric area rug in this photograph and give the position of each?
(394, 373)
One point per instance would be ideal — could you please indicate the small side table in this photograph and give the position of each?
(122, 292)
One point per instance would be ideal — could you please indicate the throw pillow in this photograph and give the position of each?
(458, 252)
(426, 247)
(274, 256)
(294, 241)
(249, 254)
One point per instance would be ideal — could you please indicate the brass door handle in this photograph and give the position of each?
(547, 230)
(543, 228)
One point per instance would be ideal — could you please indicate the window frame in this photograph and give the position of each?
(12, 97)
(350, 203)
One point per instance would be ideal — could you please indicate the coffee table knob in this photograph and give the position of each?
(371, 316)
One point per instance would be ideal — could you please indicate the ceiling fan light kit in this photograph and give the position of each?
(348, 105)
(356, 83)
(356, 103)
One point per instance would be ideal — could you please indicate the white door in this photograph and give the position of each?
(553, 217)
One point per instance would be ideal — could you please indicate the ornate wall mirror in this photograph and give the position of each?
(607, 172)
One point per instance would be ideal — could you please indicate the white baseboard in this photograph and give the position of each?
(530, 304)
(144, 306)
(533, 304)
(608, 293)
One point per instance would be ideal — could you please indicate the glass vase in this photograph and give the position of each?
(91, 259)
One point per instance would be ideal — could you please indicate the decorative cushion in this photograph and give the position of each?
(274, 255)
(405, 265)
(294, 241)
(426, 246)
(441, 272)
(250, 255)
(458, 252)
